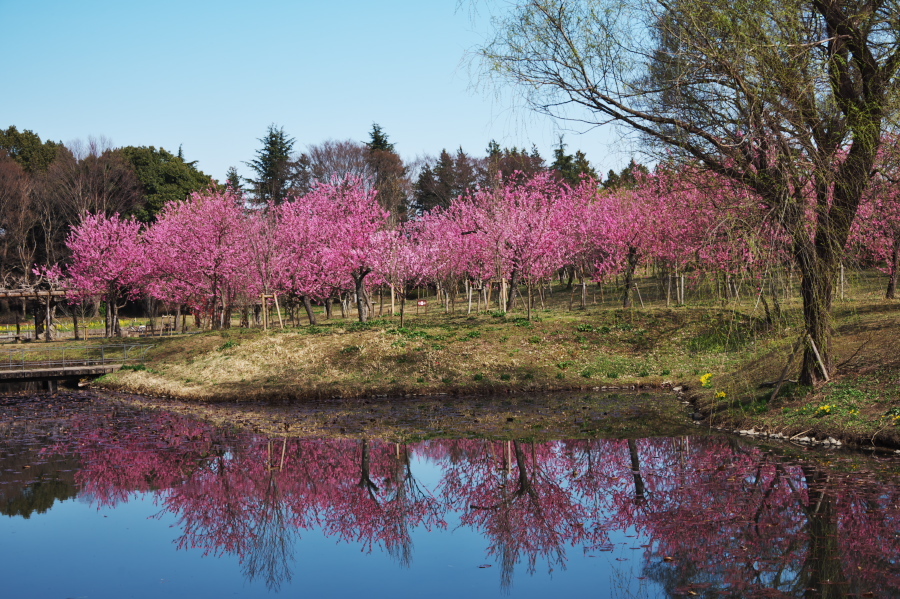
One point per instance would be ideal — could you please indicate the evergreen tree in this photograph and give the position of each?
(378, 140)
(389, 174)
(26, 148)
(449, 178)
(570, 167)
(627, 179)
(233, 179)
(507, 162)
(272, 166)
(163, 178)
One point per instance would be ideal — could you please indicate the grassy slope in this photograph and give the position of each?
(602, 346)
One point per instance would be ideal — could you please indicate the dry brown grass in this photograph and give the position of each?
(598, 348)
(457, 354)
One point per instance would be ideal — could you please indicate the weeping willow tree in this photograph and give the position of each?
(790, 98)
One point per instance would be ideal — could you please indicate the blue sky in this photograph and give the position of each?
(212, 76)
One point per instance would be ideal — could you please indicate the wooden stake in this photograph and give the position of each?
(818, 357)
(278, 310)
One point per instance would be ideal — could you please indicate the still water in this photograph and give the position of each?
(100, 501)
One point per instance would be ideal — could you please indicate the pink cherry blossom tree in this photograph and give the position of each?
(109, 259)
(200, 254)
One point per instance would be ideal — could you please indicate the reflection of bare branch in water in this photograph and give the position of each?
(270, 548)
(251, 524)
(520, 523)
(403, 503)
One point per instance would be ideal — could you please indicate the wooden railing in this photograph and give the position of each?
(34, 357)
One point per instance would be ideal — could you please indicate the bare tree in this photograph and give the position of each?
(17, 219)
(334, 160)
(789, 98)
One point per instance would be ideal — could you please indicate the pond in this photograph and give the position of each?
(100, 500)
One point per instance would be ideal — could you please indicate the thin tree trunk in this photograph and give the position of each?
(513, 285)
(307, 305)
(631, 265)
(895, 267)
(362, 300)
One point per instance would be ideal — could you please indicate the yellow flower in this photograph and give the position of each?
(721, 395)
(704, 380)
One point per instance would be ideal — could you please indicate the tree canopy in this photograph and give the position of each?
(163, 177)
(26, 148)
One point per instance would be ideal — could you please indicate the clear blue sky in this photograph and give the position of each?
(211, 76)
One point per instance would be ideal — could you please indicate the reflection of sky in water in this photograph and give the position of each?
(732, 518)
(78, 551)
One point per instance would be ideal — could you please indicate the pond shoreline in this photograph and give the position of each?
(593, 351)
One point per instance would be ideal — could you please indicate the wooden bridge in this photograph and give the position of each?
(45, 362)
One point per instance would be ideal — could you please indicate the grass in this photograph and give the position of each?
(437, 353)
(857, 405)
(600, 346)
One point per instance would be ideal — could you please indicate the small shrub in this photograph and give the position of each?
(564, 364)
(472, 335)
(585, 328)
(666, 372)
(604, 330)
(478, 377)
(351, 349)
(560, 375)
(534, 339)
(522, 322)
(612, 375)
(498, 314)
(227, 345)
(446, 380)
(505, 377)
(643, 373)
(421, 379)
(587, 373)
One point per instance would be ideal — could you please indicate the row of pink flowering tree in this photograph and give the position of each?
(211, 253)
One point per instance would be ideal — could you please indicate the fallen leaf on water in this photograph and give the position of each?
(485, 566)
(668, 559)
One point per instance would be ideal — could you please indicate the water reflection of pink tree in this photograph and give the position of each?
(737, 519)
(379, 502)
(730, 518)
(516, 494)
(257, 501)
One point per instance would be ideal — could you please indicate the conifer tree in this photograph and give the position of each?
(272, 166)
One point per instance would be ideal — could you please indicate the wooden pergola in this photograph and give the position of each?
(38, 295)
